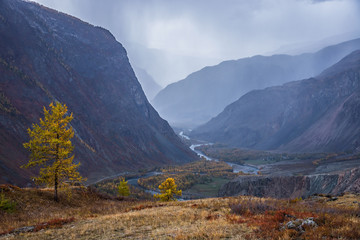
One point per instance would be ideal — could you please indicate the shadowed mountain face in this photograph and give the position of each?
(48, 56)
(204, 94)
(313, 115)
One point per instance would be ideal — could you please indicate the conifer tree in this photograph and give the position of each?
(123, 188)
(51, 149)
(167, 190)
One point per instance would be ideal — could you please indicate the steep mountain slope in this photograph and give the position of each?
(313, 115)
(211, 89)
(148, 84)
(48, 56)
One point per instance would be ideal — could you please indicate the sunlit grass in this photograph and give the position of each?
(100, 217)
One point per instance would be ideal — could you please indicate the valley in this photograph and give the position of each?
(98, 140)
(221, 167)
(275, 163)
(283, 175)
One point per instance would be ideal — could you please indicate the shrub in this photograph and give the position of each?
(357, 211)
(251, 207)
(295, 200)
(53, 223)
(6, 204)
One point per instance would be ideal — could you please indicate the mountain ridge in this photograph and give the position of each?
(211, 89)
(48, 56)
(311, 115)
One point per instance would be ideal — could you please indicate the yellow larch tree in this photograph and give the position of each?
(51, 149)
(167, 191)
(123, 188)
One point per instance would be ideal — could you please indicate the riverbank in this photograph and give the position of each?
(217, 172)
(245, 168)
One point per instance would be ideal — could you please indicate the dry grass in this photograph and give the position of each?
(35, 206)
(217, 218)
(201, 219)
(337, 219)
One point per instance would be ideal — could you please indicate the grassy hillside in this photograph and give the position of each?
(88, 215)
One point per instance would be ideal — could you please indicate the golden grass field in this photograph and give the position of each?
(93, 216)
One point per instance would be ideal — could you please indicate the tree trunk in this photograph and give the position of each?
(56, 188)
(56, 171)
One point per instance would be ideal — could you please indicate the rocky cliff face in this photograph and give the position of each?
(49, 56)
(205, 93)
(314, 115)
(293, 186)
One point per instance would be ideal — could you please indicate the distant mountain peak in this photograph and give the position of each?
(211, 89)
(319, 114)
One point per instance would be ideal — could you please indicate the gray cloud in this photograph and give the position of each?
(188, 35)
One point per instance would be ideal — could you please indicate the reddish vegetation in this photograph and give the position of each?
(141, 207)
(332, 222)
(53, 223)
(245, 217)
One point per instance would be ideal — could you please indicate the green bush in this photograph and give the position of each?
(6, 204)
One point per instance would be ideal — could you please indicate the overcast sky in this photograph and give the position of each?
(191, 34)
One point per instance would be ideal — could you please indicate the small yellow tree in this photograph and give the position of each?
(51, 147)
(167, 191)
(123, 188)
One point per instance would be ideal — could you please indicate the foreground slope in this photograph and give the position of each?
(205, 93)
(49, 56)
(91, 216)
(313, 115)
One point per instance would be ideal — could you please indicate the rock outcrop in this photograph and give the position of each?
(294, 186)
(48, 56)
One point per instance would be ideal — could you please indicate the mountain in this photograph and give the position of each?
(211, 89)
(163, 65)
(319, 114)
(48, 56)
(311, 46)
(148, 84)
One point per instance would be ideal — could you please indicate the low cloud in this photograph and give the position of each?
(209, 31)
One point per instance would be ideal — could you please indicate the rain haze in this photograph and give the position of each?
(171, 39)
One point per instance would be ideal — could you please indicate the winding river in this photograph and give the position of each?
(134, 181)
(236, 167)
(245, 168)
